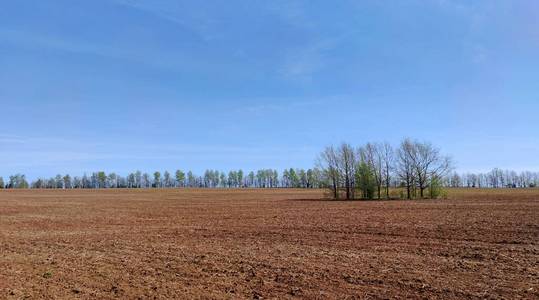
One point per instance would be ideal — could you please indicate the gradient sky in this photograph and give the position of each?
(120, 85)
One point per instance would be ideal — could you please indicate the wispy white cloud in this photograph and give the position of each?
(286, 104)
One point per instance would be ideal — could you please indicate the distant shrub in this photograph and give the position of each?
(436, 189)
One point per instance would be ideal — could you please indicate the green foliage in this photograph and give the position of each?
(365, 180)
(180, 177)
(157, 179)
(436, 189)
(239, 177)
(102, 178)
(294, 178)
(18, 181)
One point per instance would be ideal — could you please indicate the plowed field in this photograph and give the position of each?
(267, 244)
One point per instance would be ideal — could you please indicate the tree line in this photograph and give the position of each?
(410, 170)
(265, 178)
(496, 178)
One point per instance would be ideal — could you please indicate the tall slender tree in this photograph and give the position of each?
(388, 158)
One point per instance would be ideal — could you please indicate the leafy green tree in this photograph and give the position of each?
(180, 178)
(157, 179)
(23, 184)
(239, 178)
(294, 178)
(102, 179)
(365, 180)
(223, 179)
(18, 181)
(274, 179)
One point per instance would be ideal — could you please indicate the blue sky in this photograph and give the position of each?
(120, 85)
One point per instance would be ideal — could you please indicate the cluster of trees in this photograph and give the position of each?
(496, 178)
(370, 170)
(17, 181)
(266, 178)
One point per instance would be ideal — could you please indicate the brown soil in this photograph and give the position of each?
(267, 244)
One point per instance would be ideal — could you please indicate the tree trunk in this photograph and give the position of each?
(387, 187)
(347, 181)
(335, 191)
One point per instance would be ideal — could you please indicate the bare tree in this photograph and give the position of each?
(328, 163)
(405, 165)
(167, 180)
(428, 164)
(347, 168)
(113, 179)
(388, 159)
(146, 180)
